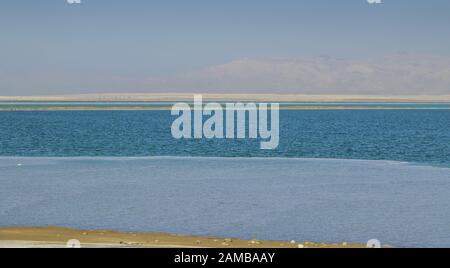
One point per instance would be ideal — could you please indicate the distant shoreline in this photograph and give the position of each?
(235, 97)
(295, 108)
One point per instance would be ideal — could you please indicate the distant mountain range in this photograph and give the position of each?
(397, 74)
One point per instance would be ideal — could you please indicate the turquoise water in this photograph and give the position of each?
(418, 136)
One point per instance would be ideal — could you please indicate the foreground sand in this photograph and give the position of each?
(57, 237)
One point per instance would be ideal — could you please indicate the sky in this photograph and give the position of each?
(50, 47)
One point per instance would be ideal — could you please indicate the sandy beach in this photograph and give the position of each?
(56, 237)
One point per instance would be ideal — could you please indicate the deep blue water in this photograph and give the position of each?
(419, 136)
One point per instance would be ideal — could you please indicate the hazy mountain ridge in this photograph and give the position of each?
(396, 74)
(393, 74)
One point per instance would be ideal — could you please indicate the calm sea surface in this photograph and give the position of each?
(418, 136)
(263, 198)
(337, 175)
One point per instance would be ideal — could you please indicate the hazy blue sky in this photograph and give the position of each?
(52, 47)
